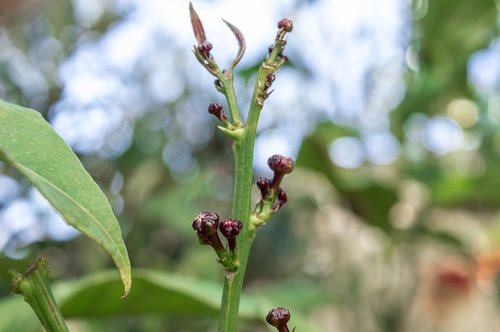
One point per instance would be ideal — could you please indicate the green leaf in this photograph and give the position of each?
(28, 143)
(17, 316)
(154, 292)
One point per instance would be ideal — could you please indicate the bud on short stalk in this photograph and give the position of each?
(230, 229)
(264, 185)
(285, 24)
(206, 225)
(280, 165)
(279, 317)
(217, 110)
(204, 48)
(282, 199)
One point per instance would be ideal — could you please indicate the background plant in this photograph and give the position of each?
(425, 188)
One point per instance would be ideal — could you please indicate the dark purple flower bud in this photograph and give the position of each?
(206, 222)
(218, 86)
(270, 78)
(285, 24)
(280, 164)
(270, 49)
(284, 57)
(279, 318)
(206, 225)
(230, 228)
(217, 110)
(282, 199)
(263, 184)
(204, 48)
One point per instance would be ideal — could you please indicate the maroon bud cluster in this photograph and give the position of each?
(285, 24)
(217, 110)
(206, 225)
(270, 190)
(279, 317)
(230, 228)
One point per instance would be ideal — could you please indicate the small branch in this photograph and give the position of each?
(34, 286)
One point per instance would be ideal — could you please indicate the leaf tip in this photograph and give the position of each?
(198, 30)
(126, 277)
(241, 42)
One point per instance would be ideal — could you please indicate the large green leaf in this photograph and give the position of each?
(28, 143)
(154, 293)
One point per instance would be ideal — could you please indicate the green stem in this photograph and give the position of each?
(233, 282)
(243, 149)
(231, 99)
(34, 286)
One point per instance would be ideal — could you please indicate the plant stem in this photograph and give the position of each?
(34, 286)
(233, 282)
(231, 101)
(243, 150)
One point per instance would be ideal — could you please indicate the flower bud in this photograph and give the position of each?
(217, 110)
(279, 318)
(263, 184)
(282, 199)
(285, 24)
(204, 48)
(218, 86)
(230, 228)
(205, 225)
(270, 49)
(280, 164)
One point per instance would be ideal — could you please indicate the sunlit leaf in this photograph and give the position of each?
(28, 143)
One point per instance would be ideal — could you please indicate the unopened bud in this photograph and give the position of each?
(282, 199)
(280, 164)
(204, 48)
(285, 24)
(279, 318)
(205, 225)
(218, 86)
(217, 110)
(270, 78)
(230, 228)
(263, 184)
